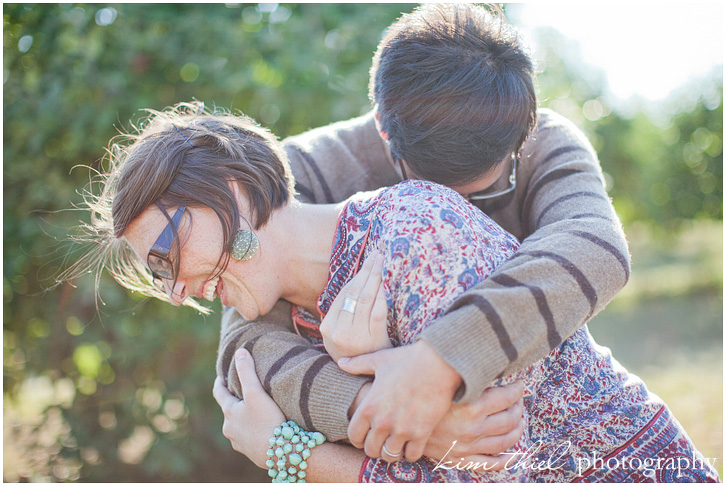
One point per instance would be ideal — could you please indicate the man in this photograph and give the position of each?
(455, 103)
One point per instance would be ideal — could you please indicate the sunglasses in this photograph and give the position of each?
(158, 258)
(486, 193)
(489, 193)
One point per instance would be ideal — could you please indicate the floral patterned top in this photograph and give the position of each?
(579, 402)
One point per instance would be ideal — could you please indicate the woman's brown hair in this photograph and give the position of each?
(184, 155)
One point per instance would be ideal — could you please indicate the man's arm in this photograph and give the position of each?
(573, 260)
(304, 381)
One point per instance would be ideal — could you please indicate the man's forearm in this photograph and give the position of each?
(574, 259)
(305, 383)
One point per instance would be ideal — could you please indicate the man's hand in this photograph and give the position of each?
(481, 429)
(412, 391)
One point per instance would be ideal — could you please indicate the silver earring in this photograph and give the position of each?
(244, 245)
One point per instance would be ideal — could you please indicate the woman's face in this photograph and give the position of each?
(251, 287)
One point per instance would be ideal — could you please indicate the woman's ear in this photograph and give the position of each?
(240, 196)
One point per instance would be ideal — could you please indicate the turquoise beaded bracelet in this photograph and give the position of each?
(289, 449)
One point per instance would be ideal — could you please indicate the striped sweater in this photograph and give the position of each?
(572, 261)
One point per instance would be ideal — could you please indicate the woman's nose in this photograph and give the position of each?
(176, 291)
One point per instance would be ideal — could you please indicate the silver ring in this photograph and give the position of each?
(388, 453)
(349, 305)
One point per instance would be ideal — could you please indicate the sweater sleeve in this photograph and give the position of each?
(304, 381)
(573, 261)
(329, 164)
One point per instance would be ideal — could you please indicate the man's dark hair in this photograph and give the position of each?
(454, 89)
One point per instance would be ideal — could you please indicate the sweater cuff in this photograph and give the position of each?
(332, 403)
(466, 341)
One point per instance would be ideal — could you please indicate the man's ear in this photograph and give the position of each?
(381, 132)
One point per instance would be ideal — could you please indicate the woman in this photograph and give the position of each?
(205, 205)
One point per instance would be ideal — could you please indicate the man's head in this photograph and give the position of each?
(454, 91)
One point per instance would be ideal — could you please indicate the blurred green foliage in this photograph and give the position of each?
(119, 389)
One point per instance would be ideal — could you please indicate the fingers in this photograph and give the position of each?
(364, 286)
(224, 398)
(374, 440)
(505, 421)
(497, 399)
(372, 284)
(358, 430)
(393, 450)
(247, 374)
(500, 443)
(355, 286)
(378, 323)
(362, 289)
(365, 364)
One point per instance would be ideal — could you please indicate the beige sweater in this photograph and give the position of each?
(572, 261)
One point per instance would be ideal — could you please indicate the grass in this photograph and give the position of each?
(667, 326)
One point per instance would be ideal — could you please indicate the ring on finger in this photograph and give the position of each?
(389, 453)
(349, 305)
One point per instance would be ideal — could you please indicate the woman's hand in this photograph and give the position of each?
(363, 330)
(248, 423)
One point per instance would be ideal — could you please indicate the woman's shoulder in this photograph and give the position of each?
(417, 206)
(421, 196)
(427, 202)
(406, 198)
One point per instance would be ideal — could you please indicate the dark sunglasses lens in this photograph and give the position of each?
(161, 267)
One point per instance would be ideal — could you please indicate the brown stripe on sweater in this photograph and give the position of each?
(305, 191)
(590, 215)
(318, 173)
(277, 365)
(553, 337)
(607, 247)
(495, 321)
(555, 175)
(562, 199)
(585, 286)
(533, 239)
(307, 384)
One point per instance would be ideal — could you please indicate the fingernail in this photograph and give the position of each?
(241, 354)
(343, 361)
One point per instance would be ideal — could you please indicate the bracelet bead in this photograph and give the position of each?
(289, 448)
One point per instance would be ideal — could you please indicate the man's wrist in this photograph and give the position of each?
(448, 377)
